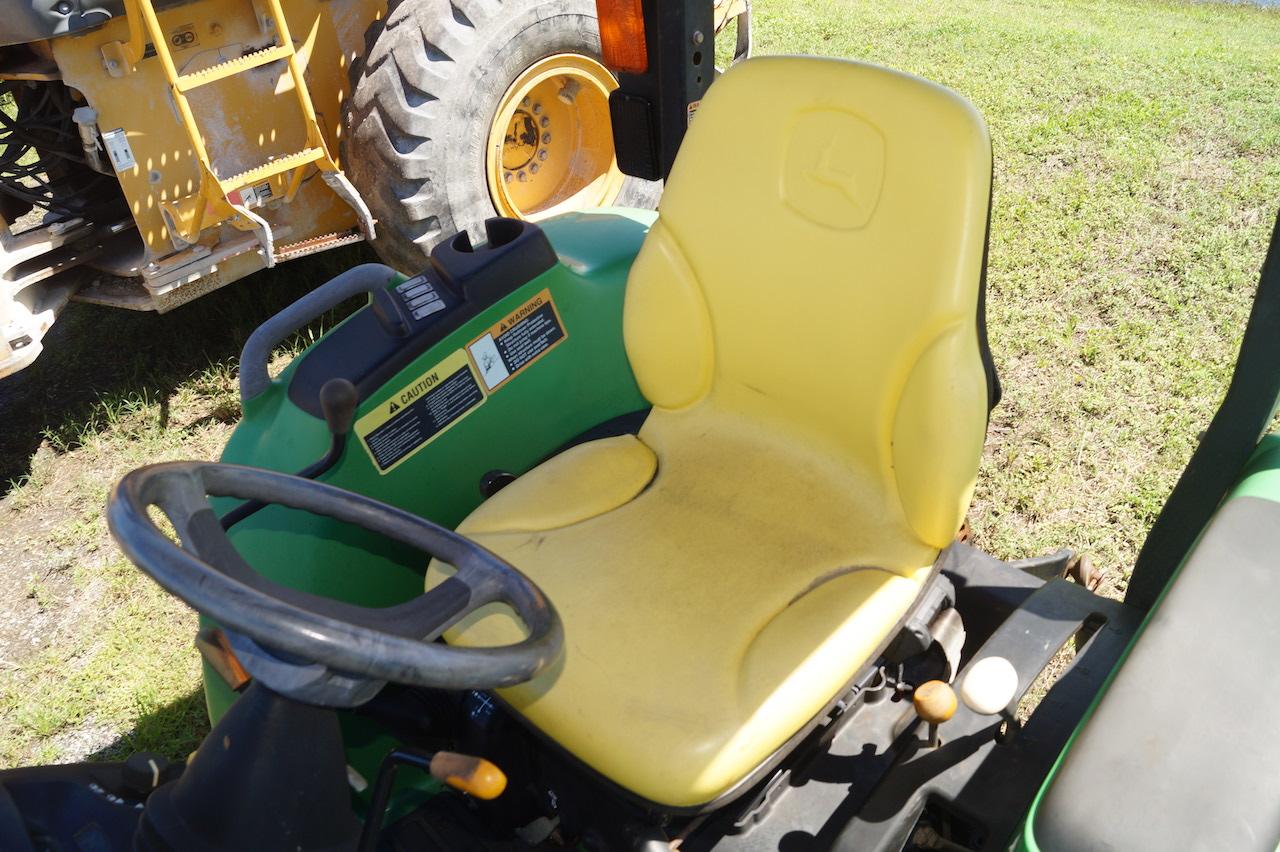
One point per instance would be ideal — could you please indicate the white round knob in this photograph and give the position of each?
(989, 685)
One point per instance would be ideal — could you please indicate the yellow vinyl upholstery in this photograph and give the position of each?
(803, 319)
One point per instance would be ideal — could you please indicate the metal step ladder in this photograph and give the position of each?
(221, 199)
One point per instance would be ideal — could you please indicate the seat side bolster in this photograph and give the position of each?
(666, 324)
(938, 431)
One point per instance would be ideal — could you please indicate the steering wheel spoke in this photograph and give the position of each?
(311, 647)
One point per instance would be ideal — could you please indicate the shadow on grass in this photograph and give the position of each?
(174, 731)
(94, 353)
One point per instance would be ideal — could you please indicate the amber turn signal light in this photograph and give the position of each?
(622, 35)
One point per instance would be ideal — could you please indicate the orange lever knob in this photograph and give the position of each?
(935, 702)
(472, 775)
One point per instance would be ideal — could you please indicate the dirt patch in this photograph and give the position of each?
(95, 659)
(40, 601)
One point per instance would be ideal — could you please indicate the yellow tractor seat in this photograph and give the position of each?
(804, 318)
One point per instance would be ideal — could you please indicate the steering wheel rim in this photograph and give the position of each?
(298, 628)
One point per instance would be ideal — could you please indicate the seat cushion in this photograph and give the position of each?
(1198, 762)
(803, 318)
(708, 618)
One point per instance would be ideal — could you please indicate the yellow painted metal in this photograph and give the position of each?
(314, 138)
(801, 317)
(122, 56)
(223, 70)
(724, 11)
(208, 207)
(550, 145)
(283, 165)
(247, 120)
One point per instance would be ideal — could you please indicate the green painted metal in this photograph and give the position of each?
(579, 384)
(1260, 478)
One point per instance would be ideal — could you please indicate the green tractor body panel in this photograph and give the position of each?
(1260, 479)
(580, 382)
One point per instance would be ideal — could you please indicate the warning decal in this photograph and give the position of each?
(520, 338)
(420, 411)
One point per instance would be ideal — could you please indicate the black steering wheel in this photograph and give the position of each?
(312, 648)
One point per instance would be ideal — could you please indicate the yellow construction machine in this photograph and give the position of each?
(154, 150)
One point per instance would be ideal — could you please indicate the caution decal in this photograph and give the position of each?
(420, 412)
(517, 340)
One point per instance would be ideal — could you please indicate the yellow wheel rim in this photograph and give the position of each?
(550, 146)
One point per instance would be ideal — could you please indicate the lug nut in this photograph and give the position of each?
(522, 177)
(506, 177)
(542, 155)
(546, 122)
(537, 108)
(546, 137)
(534, 168)
(524, 102)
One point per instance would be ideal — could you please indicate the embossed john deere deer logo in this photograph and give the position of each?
(834, 169)
(829, 171)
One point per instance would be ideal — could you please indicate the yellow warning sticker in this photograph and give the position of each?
(517, 340)
(420, 412)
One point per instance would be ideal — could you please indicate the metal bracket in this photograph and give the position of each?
(120, 57)
(266, 21)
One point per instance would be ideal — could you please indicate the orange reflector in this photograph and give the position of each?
(622, 35)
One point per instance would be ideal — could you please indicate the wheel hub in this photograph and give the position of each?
(550, 144)
(521, 143)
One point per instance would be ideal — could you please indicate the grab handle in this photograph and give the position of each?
(365, 278)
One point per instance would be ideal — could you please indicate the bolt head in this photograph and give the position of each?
(506, 177)
(524, 102)
(698, 37)
(63, 7)
(522, 177)
(546, 137)
(537, 108)
(546, 122)
(534, 168)
(542, 155)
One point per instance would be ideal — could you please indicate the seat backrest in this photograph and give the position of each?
(818, 266)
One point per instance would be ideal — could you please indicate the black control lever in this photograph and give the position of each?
(338, 400)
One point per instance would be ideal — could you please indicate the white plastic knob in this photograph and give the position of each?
(989, 685)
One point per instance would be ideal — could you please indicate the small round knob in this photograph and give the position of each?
(338, 401)
(935, 702)
(989, 685)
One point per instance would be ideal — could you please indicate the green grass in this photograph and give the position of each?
(120, 675)
(1137, 153)
(113, 669)
(1137, 149)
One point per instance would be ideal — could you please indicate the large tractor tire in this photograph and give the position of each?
(470, 109)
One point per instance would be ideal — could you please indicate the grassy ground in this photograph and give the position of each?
(1137, 150)
(95, 660)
